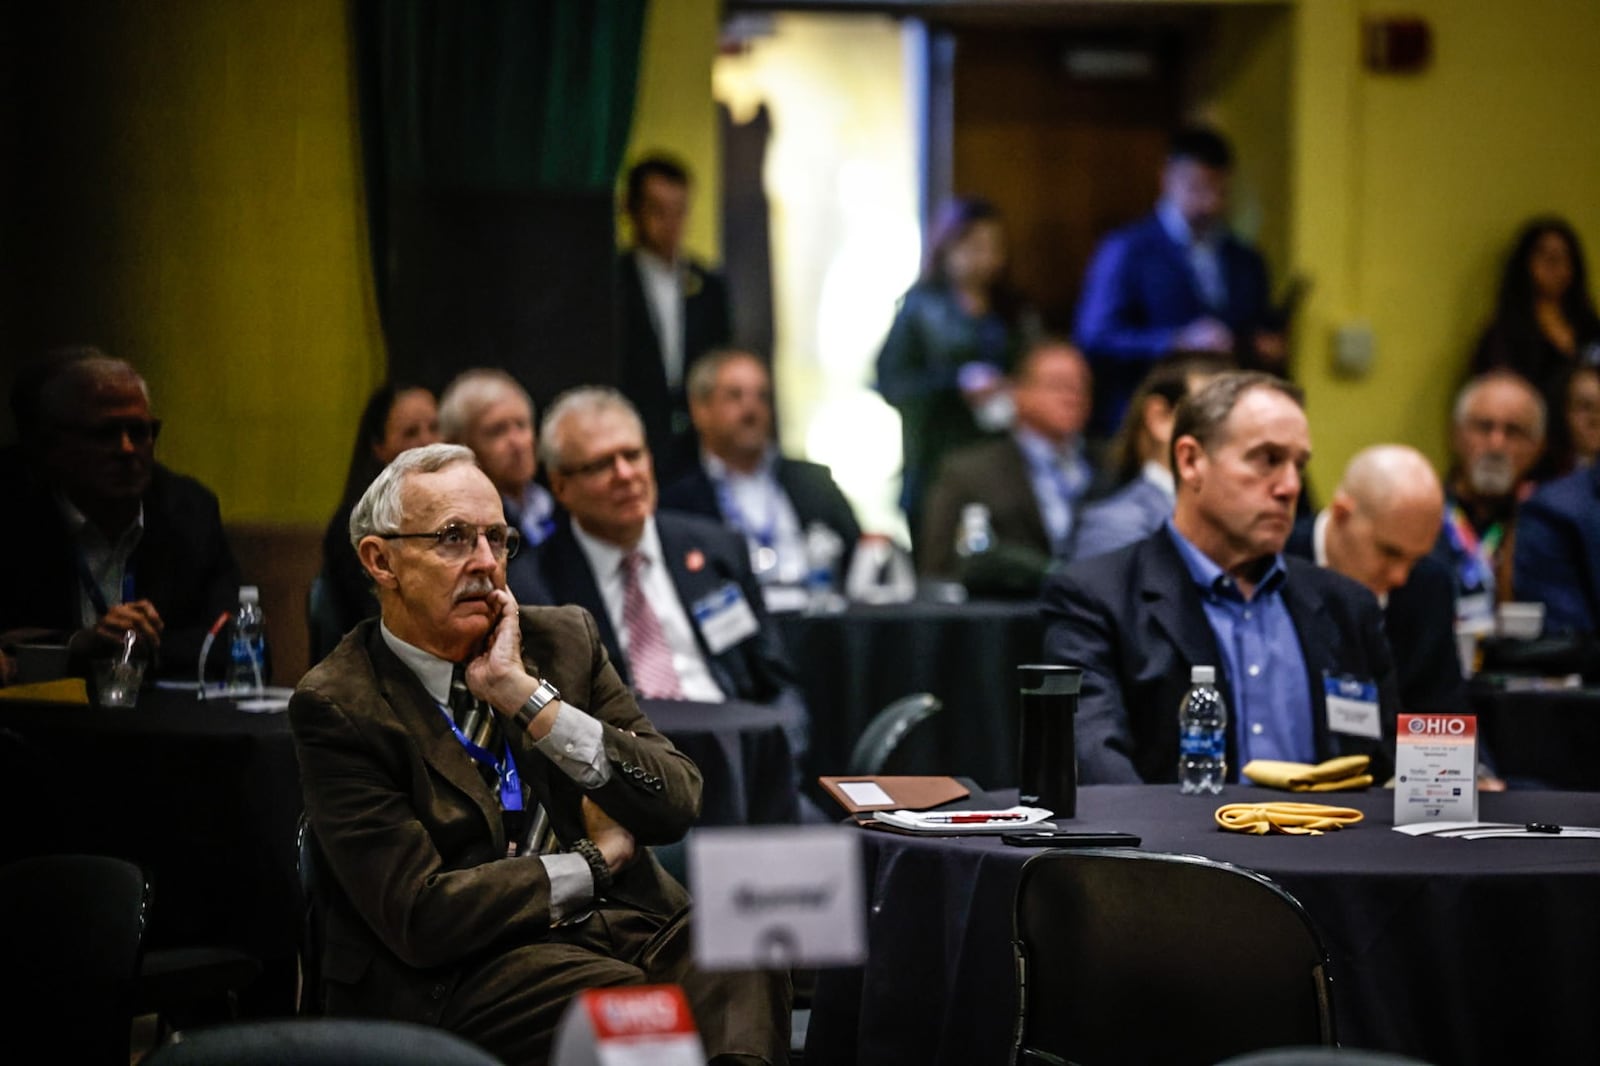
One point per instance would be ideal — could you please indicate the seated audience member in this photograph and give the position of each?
(1139, 458)
(103, 540)
(1544, 324)
(1378, 530)
(1033, 481)
(743, 481)
(1558, 551)
(442, 910)
(1583, 416)
(1499, 425)
(1213, 588)
(395, 418)
(1177, 281)
(489, 412)
(678, 608)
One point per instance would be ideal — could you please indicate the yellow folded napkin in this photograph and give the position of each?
(1308, 819)
(63, 690)
(1344, 774)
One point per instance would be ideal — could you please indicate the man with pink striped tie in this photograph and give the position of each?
(676, 603)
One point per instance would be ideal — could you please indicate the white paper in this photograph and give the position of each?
(865, 793)
(1494, 831)
(1357, 718)
(997, 821)
(777, 897)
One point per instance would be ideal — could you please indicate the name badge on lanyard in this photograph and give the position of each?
(1352, 706)
(724, 618)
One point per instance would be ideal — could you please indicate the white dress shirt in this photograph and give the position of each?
(663, 294)
(575, 744)
(605, 562)
(107, 560)
(764, 514)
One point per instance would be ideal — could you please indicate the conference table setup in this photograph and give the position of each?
(853, 663)
(1449, 950)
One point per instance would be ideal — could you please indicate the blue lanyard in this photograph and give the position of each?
(767, 537)
(505, 771)
(92, 587)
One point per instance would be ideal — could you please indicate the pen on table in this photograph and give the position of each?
(971, 819)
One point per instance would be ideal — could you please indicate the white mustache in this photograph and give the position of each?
(475, 588)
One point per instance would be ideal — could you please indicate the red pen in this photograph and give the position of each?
(973, 819)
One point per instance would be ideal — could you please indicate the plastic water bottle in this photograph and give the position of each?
(1202, 734)
(974, 535)
(248, 647)
(823, 552)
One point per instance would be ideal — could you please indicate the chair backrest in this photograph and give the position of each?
(1131, 956)
(71, 928)
(886, 734)
(313, 916)
(322, 620)
(320, 1042)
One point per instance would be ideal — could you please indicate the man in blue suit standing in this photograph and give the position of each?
(1177, 281)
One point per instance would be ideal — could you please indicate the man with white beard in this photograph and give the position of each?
(1498, 433)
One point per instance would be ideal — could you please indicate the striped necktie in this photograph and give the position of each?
(649, 654)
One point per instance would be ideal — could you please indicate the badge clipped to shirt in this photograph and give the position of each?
(1352, 706)
(724, 618)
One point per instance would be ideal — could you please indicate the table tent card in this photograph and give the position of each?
(1436, 769)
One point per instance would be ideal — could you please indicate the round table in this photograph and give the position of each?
(853, 664)
(1452, 951)
(742, 749)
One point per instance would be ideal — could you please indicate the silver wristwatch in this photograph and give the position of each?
(541, 698)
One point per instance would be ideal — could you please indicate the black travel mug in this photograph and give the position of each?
(1047, 759)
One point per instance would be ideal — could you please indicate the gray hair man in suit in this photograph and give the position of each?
(1212, 587)
(436, 741)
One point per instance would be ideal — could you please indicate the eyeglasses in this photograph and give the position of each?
(458, 540)
(604, 464)
(108, 434)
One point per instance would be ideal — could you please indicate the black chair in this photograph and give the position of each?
(1322, 1056)
(1129, 956)
(312, 873)
(320, 1042)
(881, 743)
(322, 620)
(70, 936)
(192, 985)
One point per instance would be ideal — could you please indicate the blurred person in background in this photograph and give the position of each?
(396, 417)
(1139, 458)
(1544, 323)
(1497, 437)
(956, 335)
(1178, 281)
(1583, 414)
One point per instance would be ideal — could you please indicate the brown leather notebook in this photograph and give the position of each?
(905, 793)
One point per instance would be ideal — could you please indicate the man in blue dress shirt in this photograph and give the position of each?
(1212, 587)
(1177, 281)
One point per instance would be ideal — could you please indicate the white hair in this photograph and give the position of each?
(470, 394)
(378, 511)
(584, 400)
(1490, 377)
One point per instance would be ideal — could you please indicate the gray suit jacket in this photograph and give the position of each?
(413, 837)
(1130, 514)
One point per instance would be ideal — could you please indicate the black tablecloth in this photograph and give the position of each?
(1452, 951)
(203, 796)
(853, 664)
(1552, 738)
(743, 754)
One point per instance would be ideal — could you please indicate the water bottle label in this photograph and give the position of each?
(1203, 743)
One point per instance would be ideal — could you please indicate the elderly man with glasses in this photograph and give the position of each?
(101, 540)
(438, 742)
(678, 605)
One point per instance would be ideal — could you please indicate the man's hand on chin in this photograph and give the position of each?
(497, 675)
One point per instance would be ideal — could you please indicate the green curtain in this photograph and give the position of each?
(522, 97)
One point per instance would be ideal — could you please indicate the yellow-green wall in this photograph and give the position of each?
(675, 112)
(1407, 191)
(235, 267)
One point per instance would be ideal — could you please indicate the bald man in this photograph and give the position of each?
(1378, 529)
